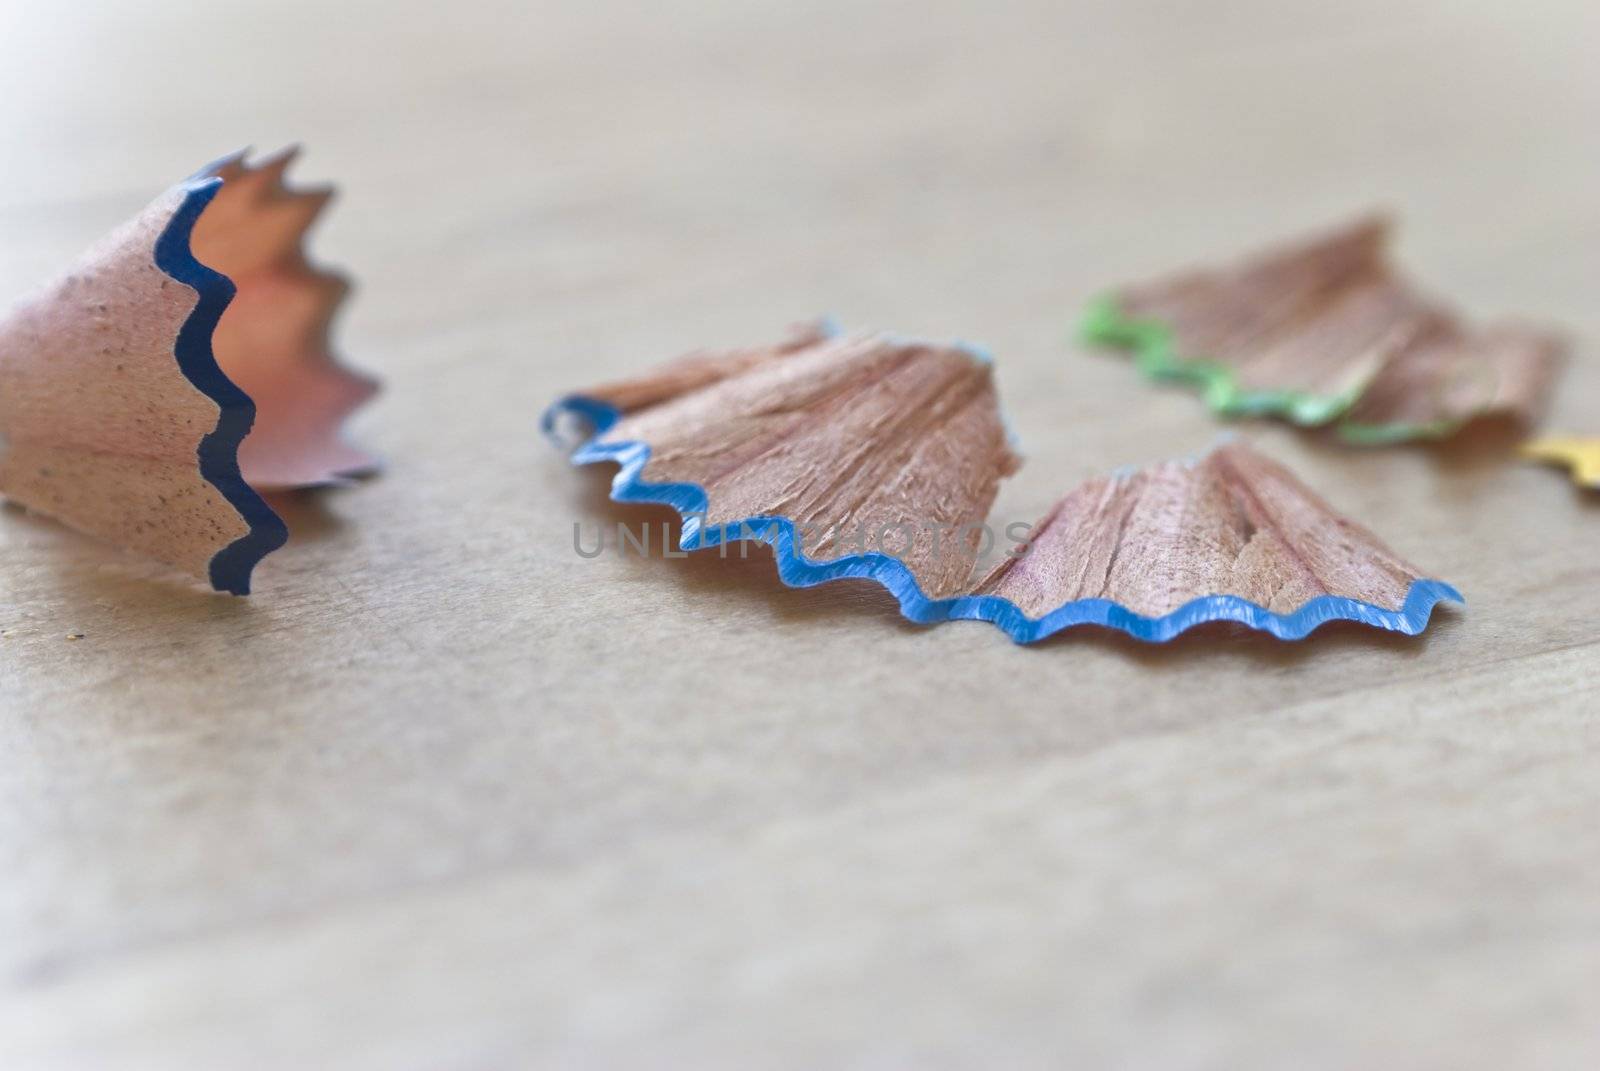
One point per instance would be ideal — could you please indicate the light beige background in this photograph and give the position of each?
(442, 795)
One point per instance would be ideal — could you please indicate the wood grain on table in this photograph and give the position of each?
(444, 794)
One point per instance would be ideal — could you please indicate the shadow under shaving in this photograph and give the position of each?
(88, 584)
(1481, 445)
(306, 513)
(91, 575)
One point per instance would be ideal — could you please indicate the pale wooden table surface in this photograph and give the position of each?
(443, 795)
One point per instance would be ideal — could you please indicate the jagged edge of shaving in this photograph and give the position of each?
(798, 571)
(218, 452)
(333, 361)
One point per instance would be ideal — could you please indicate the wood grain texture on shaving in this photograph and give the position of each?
(1250, 317)
(1231, 523)
(1325, 327)
(1451, 375)
(702, 368)
(101, 423)
(865, 443)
